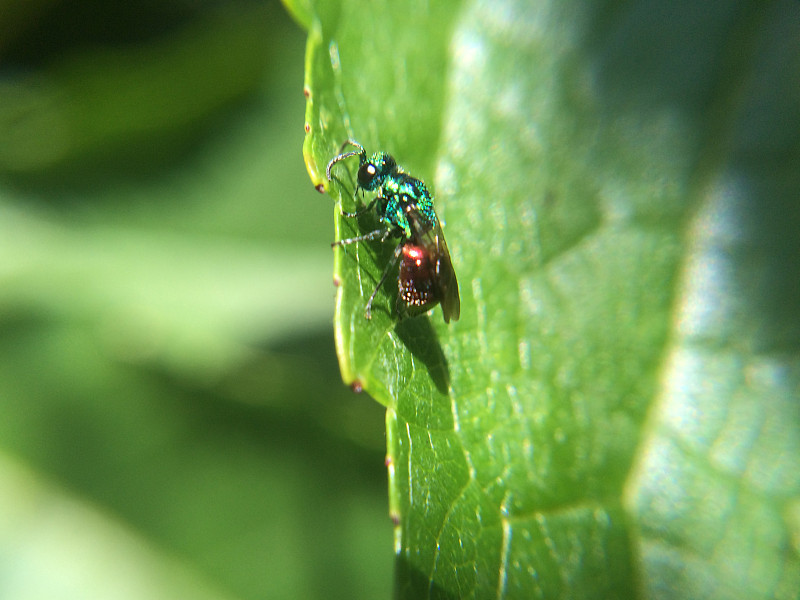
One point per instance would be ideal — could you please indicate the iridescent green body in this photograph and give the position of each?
(397, 194)
(404, 207)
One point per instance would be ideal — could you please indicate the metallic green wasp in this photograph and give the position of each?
(404, 208)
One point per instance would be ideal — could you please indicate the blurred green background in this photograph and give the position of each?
(172, 421)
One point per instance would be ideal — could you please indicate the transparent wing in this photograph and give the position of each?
(432, 239)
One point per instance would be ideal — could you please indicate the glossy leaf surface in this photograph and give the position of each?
(616, 413)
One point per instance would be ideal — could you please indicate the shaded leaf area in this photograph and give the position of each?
(91, 102)
(615, 414)
(172, 421)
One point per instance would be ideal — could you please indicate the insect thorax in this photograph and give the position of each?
(404, 194)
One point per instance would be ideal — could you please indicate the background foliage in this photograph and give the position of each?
(616, 413)
(172, 419)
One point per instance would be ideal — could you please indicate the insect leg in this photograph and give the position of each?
(362, 238)
(360, 211)
(386, 271)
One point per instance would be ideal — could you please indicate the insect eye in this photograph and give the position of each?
(366, 175)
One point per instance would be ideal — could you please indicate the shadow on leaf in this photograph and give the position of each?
(410, 582)
(420, 338)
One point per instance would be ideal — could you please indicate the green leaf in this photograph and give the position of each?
(615, 414)
(170, 405)
(57, 563)
(89, 103)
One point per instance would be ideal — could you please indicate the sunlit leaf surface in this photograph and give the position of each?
(616, 413)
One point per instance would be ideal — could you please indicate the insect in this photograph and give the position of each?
(404, 208)
(415, 280)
